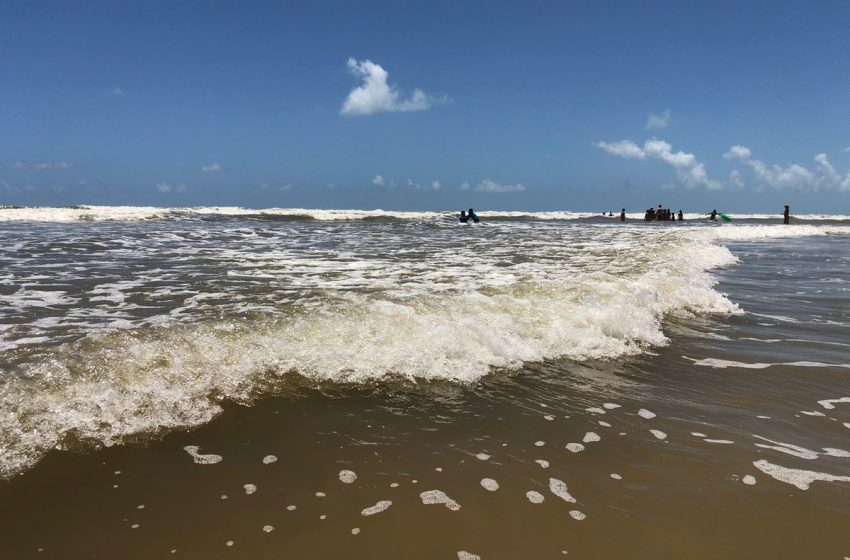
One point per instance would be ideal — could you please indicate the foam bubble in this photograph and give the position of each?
(719, 441)
(347, 477)
(201, 459)
(604, 424)
(577, 515)
(590, 437)
(540, 443)
(749, 480)
(559, 488)
(430, 497)
(382, 505)
(134, 526)
(616, 476)
(549, 417)
(482, 456)
(249, 488)
(228, 543)
(796, 477)
(829, 404)
(268, 528)
(489, 484)
(534, 497)
(575, 447)
(595, 410)
(699, 434)
(610, 406)
(290, 507)
(543, 463)
(355, 531)
(464, 555)
(658, 434)
(269, 459)
(644, 413)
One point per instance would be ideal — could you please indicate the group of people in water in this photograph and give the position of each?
(470, 217)
(657, 215)
(652, 215)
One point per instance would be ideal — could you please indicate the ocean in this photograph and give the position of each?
(294, 383)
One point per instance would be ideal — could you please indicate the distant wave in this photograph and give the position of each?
(142, 213)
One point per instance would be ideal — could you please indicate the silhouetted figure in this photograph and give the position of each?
(623, 215)
(463, 217)
(681, 216)
(786, 216)
(650, 215)
(659, 214)
(713, 215)
(473, 216)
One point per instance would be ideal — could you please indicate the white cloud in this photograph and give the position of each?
(118, 92)
(655, 122)
(435, 185)
(794, 176)
(691, 172)
(464, 186)
(623, 148)
(211, 168)
(375, 95)
(847, 149)
(275, 188)
(488, 185)
(41, 165)
(166, 188)
(378, 181)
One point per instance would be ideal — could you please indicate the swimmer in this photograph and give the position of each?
(463, 217)
(473, 216)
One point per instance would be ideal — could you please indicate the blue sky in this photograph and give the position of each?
(743, 106)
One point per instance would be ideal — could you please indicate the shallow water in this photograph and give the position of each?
(706, 420)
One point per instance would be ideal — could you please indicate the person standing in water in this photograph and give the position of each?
(473, 216)
(681, 216)
(623, 215)
(463, 217)
(786, 215)
(713, 215)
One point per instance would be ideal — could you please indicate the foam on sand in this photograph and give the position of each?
(829, 404)
(347, 477)
(489, 484)
(644, 413)
(382, 505)
(202, 459)
(534, 497)
(796, 477)
(430, 497)
(559, 488)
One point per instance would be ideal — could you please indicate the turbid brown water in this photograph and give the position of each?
(731, 441)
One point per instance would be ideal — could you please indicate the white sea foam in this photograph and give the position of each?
(382, 505)
(347, 477)
(829, 404)
(590, 437)
(800, 478)
(249, 488)
(430, 497)
(133, 369)
(559, 488)
(534, 497)
(658, 434)
(644, 413)
(489, 484)
(575, 447)
(544, 464)
(577, 515)
(202, 459)
(464, 555)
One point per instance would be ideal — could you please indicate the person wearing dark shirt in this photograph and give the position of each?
(786, 215)
(473, 216)
(681, 216)
(623, 215)
(463, 217)
(713, 215)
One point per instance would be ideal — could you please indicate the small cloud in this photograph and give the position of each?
(622, 148)
(375, 95)
(166, 188)
(435, 185)
(41, 165)
(847, 149)
(118, 92)
(655, 122)
(275, 188)
(211, 168)
(464, 186)
(378, 181)
(488, 185)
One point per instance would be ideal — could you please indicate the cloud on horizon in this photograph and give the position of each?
(41, 165)
(490, 186)
(166, 188)
(691, 172)
(375, 95)
(794, 176)
(211, 168)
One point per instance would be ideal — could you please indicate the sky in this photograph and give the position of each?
(741, 106)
